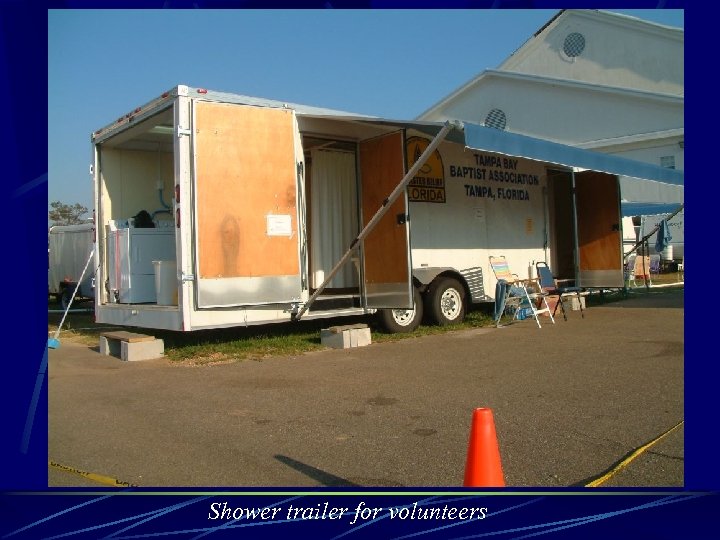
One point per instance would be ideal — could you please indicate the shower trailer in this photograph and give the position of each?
(217, 210)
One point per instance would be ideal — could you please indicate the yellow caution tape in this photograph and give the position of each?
(605, 477)
(92, 476)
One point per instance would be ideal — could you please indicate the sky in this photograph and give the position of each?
(388, 63)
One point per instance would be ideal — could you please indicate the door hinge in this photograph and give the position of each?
(182, 131)
(187, 277)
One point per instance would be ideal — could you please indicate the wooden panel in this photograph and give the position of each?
(597, 199)
(382, 168)
(130, 178)
(130, 337)
(245, 170)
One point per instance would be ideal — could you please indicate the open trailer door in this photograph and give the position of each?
(246, 231)
(388, 276)
(384, 186)
(597, 203)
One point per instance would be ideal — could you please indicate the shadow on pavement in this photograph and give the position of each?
(325, 478)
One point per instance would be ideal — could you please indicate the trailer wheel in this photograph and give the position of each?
(447, 301)
(400, 321)
(65, 297)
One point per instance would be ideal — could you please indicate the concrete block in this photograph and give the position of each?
(576, 303)
(551, 301)
(109, 347)
(130, 347)
(142, 350)
(346, 337)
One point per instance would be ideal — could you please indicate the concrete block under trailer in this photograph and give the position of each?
(267, 198)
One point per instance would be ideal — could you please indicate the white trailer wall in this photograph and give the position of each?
(494, 206)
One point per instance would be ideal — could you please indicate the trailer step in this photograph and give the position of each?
(336, 302)
(130, 346)
(130, 337)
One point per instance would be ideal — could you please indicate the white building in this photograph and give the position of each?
(592, 79)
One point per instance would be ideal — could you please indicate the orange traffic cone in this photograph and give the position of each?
(483, 467)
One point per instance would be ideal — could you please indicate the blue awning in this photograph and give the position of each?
(494, 140)
(647, 209)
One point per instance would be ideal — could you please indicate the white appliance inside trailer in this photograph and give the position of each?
(131, 253)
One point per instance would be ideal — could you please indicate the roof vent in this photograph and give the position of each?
(496, 119)
(574, 45)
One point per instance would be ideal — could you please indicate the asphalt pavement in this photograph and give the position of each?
(571, 401)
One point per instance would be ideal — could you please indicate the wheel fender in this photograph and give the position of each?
(426, 275)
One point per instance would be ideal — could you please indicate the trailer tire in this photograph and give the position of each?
(402, 321)
(446, 298)
(65, 297)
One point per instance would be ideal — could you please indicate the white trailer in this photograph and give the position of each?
(69, 248)
(266, 198)
(641, 222)
(675, 250)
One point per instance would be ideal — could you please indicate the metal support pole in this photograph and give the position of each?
(54, 343)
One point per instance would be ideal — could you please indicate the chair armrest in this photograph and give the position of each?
(532, 285)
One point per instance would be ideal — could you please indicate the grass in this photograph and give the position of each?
(205, 347)
(251, 343)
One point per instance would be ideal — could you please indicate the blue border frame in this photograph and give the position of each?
(32, 510)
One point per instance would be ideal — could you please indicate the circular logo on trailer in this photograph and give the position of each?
(429, 183)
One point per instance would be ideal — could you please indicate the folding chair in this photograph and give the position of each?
(655, 264)
(629, 269)
(641, 271)
(549, 285)
(518, 293)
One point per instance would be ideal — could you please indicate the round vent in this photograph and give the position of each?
(574, 45)
(496, 119)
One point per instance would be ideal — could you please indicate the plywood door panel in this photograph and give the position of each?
(245, 170)
(598, 222)
(387, 264)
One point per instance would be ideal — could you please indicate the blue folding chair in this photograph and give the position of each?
(517, 294)
(551, 288)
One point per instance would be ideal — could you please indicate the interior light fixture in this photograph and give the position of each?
(163, 130)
